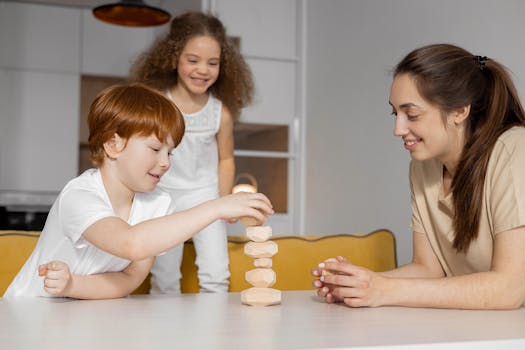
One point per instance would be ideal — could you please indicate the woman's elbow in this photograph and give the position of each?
(516, 302)
(512, 298)
(509, 305)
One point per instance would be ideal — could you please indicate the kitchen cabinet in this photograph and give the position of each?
(35, 37)
(39, 130)
(39, 94)
(266, 28)
(268, 40)
(275, 92)
(271, 38)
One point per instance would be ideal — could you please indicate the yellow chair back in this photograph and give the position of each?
(296, 257)
(15, 249)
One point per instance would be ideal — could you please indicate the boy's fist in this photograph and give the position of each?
(57, 277)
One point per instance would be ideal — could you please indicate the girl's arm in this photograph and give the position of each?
(503, 287)
(152, 237)
(226, 167)
(58, 281)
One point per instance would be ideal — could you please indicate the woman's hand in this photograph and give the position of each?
(353, 285)
(57, 277)
(324, 289)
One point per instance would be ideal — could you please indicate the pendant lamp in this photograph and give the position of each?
(131, 13)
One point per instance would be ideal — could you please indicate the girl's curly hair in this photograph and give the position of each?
(157, 67)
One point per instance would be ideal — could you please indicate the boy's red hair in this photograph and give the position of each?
(128, 110)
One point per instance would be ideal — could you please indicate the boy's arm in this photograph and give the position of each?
(58, 281)
(152, 237)
(226, 167)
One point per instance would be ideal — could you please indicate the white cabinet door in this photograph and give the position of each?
(275, 98)
(109, 49)
(269, 41)
(34, 37)
(266, 28)
(268, 33)
(39, 130)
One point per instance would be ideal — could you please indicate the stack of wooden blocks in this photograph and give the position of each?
(262, 277)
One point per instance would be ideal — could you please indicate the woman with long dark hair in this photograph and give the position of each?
(460, 117)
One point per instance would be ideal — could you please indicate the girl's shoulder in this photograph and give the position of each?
(213, 106)
(214, 101)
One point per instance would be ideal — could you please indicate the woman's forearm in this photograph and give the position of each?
(411, 270)
(484, 290)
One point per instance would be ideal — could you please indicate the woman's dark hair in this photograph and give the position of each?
(451, 78)
(157, 67)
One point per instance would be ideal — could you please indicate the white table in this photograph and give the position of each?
(219, 321)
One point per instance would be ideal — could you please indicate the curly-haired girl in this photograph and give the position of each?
(202, 71)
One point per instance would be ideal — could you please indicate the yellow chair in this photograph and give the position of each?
(15, 248)
(296, 257)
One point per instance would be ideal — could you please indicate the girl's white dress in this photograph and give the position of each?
(191, 180)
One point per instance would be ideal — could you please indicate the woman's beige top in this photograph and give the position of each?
(503, 206)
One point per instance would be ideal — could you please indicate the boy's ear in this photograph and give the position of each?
(114, 146)
(461, 114)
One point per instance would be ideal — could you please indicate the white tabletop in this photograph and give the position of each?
(220, 321)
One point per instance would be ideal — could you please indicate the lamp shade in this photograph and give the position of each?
(240, 186)
(131, 13)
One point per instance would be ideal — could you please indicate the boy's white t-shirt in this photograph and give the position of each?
(81, 203)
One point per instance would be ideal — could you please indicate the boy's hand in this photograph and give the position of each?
(241, 204)
(57, 277)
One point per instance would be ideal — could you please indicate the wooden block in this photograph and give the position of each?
(249, 221)
(325, 272)
(261, 296)
(259, 233)
(263, 262)
(261, 277)
(258, 250)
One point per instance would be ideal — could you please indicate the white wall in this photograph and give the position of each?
(108, 49)
(356, 170)
(39, 95)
